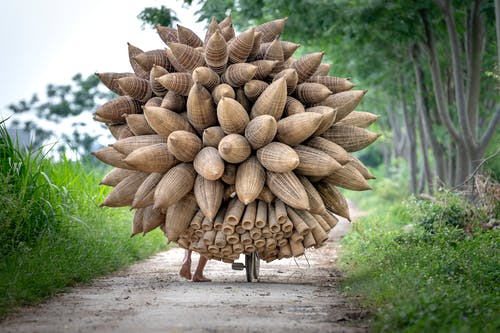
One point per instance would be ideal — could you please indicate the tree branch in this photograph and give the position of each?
(437, 83)
(497, 15)
(476, 42)
(491, 128)
(426, 137)
(463, 118)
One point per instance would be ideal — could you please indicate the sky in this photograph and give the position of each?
(49, 41)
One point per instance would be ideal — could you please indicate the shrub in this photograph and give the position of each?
(479, 208)
(449, 210)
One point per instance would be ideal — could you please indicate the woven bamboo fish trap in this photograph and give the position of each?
(230, 145)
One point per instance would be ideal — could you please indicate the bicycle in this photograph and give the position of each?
(252, 267)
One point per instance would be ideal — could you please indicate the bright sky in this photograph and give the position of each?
(48, 41)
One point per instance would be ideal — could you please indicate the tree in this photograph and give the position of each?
(63, 102)
(157, 16)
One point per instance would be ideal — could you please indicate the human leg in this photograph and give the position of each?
(185, 271)
(198, 273)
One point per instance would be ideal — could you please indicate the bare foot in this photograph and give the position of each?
(200, 278)
(185, 271)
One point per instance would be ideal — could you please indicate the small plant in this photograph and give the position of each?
(479, 208)
(447, 210)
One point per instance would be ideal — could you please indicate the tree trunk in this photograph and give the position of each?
(426, 168)
(399, 141)
(437, 83)
(476, 159)
(458, 80)
(452, 162)
(497, 26)
(423, 181)
(427, 139)
(386, 155)
(475, 47)
(438, 149)
(386, 148)
(463, 140)
(412, 140)
(463, 164)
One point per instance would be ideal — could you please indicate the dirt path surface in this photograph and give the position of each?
(292, 296)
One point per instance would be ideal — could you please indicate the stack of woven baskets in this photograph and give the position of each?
(230, 145)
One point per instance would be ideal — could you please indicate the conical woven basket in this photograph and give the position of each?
(232, 145)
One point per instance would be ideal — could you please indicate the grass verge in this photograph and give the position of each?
(52, 233)
(417, 279)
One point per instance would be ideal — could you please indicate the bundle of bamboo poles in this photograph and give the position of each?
(230, 145)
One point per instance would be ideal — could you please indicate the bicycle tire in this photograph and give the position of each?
(252, 265)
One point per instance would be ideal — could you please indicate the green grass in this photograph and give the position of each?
(421, 279)
(52, 233)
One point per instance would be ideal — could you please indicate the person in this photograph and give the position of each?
(185, 270)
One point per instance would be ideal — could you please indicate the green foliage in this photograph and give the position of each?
(418, 281)
(76, 255)
(29, 201)
(371, 156)
(376, 43)
(344, 29)
(448, 210)
(218, 9)
(163, 16)
(83, 94)
(385, 190)
(52, 232)
(444, 282)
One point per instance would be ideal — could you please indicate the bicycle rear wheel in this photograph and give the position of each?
(252, 266)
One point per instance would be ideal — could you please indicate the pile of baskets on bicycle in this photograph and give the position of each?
(230, 145)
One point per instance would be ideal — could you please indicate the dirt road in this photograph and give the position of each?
(292, 296)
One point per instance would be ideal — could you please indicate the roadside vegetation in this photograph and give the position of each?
(52, 232)
(427, 265)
